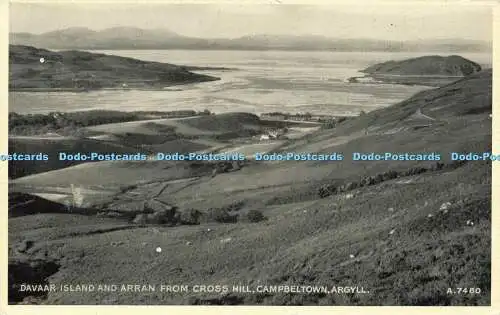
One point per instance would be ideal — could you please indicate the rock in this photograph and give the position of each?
(349, 196)
(351, 256)
(445, 206)
(189, 243)
(24, 246)
(390, 209)
(392, 231)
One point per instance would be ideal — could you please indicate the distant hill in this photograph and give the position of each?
(136, 38)
(427, 65)
(83, 70)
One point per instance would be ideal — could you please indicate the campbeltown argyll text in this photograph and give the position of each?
(165, 288)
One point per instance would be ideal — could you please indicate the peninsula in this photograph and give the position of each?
(33, 69)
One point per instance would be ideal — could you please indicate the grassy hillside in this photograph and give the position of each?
(399, 229)
(80, 70)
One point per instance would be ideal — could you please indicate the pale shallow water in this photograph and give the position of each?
(265, 81)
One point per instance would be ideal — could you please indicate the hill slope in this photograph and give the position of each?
(400, 229)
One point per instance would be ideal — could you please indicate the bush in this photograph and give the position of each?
(222, 216)
(255, 216)
(190, 217)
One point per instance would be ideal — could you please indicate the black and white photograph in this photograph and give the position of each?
(265, 154)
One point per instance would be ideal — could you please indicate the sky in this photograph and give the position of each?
(380, 21)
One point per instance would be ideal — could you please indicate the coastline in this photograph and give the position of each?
(76, 90)
(412, 80)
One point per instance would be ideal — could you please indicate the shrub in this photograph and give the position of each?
(222, 216)
(255, 216)
(326, 190)
(190, 217)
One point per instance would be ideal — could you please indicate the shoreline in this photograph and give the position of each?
(81, 90)
(432, 81)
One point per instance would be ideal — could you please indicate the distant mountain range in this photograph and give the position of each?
(136, 38)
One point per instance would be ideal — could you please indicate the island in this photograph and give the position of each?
(426, 70)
